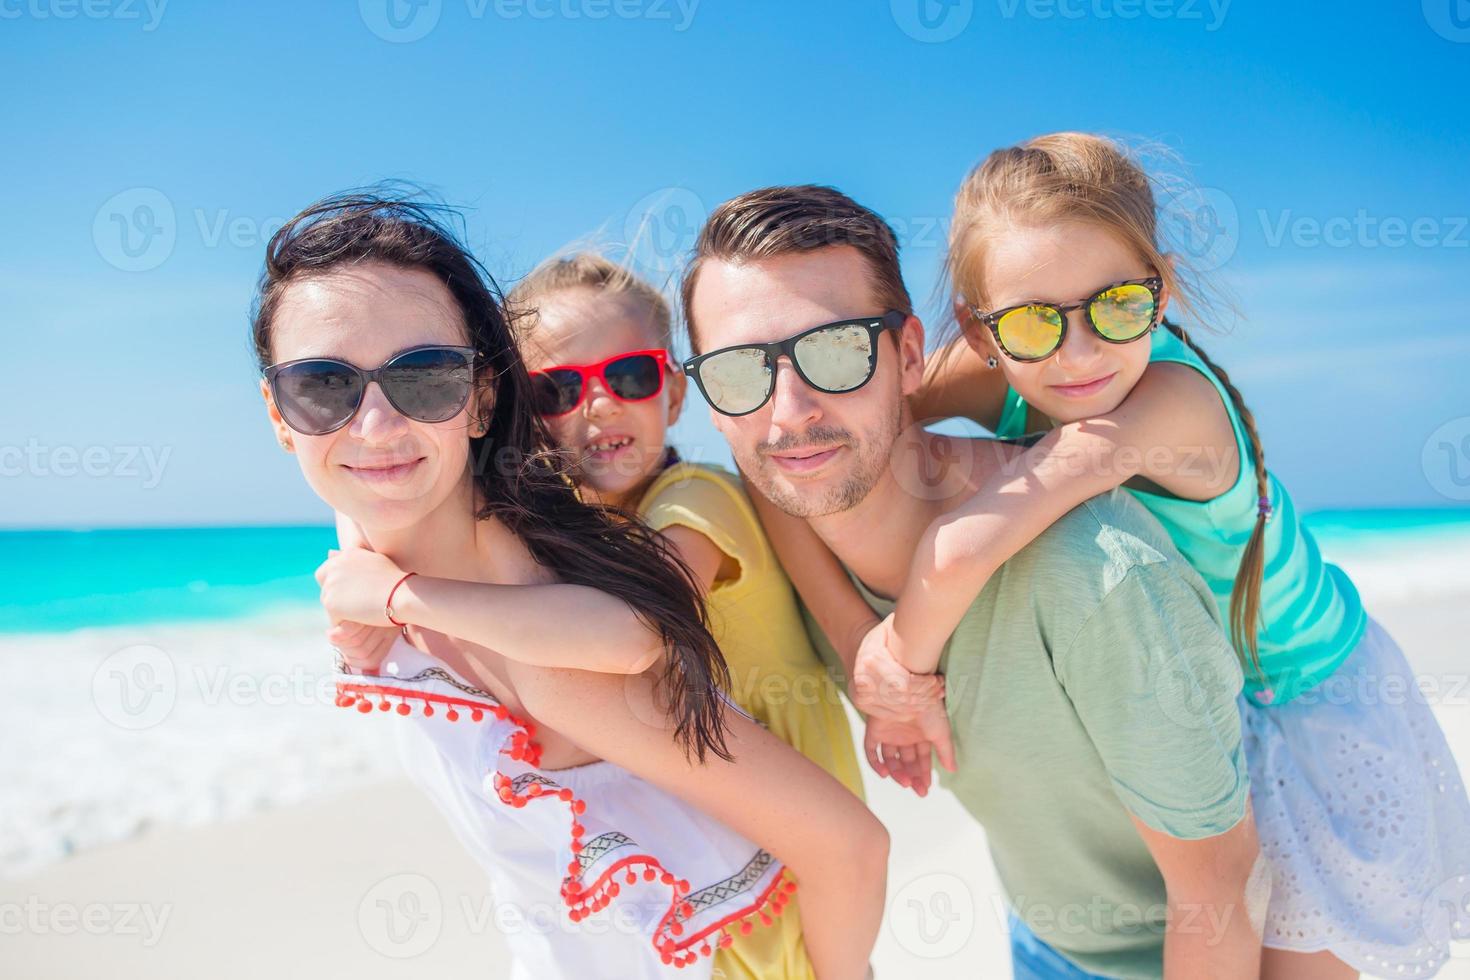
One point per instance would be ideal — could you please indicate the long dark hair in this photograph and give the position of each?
(520, 475)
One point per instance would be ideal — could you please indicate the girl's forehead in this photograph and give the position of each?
(583, 326)
(1059, 262)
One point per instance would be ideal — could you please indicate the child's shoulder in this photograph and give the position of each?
(704, 488)
(712, 501)
(681, 477)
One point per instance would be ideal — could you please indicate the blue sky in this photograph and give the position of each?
(151, 149)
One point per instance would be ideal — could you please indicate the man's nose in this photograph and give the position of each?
(794, 403)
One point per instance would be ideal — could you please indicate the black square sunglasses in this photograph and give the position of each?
(833, 358)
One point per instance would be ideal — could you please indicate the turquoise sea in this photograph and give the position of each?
(63, 580)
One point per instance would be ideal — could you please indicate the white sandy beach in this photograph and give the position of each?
(365, 880)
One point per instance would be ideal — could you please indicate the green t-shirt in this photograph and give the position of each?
(1090, 680)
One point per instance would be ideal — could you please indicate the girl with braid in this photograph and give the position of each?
(1060, 289)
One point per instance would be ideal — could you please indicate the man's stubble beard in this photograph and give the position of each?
(872, 458)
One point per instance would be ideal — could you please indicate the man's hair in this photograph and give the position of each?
(776, 221)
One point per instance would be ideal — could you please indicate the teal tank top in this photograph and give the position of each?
(1311, 616)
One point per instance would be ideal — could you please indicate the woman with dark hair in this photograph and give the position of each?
(391, 373)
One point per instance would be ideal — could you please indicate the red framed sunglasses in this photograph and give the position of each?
(634, 376)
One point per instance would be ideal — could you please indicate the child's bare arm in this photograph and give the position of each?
(552, 625)
(363, 647)
(1171, 421)
(594, 630)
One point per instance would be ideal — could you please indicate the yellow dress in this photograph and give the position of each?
(775, 674)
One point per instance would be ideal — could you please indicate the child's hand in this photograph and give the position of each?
(363, 647)
(355, 584)
(901, 750)
(882, 687)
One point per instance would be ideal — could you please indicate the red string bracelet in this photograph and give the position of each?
(388, 606)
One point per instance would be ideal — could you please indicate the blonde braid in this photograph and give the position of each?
(1245, 597)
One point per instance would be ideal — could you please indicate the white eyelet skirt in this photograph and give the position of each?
(1362, 813)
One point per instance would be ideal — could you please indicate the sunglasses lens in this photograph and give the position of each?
(556, 392)
(316, 397)
(736, 382)
(634, 378)
(428, 385)
(1030, 332)
(836, 359)
(1124, 312)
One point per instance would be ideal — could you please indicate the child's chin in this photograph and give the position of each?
(1062, 411)
(609, 484)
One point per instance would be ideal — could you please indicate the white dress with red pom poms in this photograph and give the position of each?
(562, 846)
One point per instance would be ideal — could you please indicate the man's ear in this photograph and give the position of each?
(677, 383)
(283, 431)
(911, 354)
